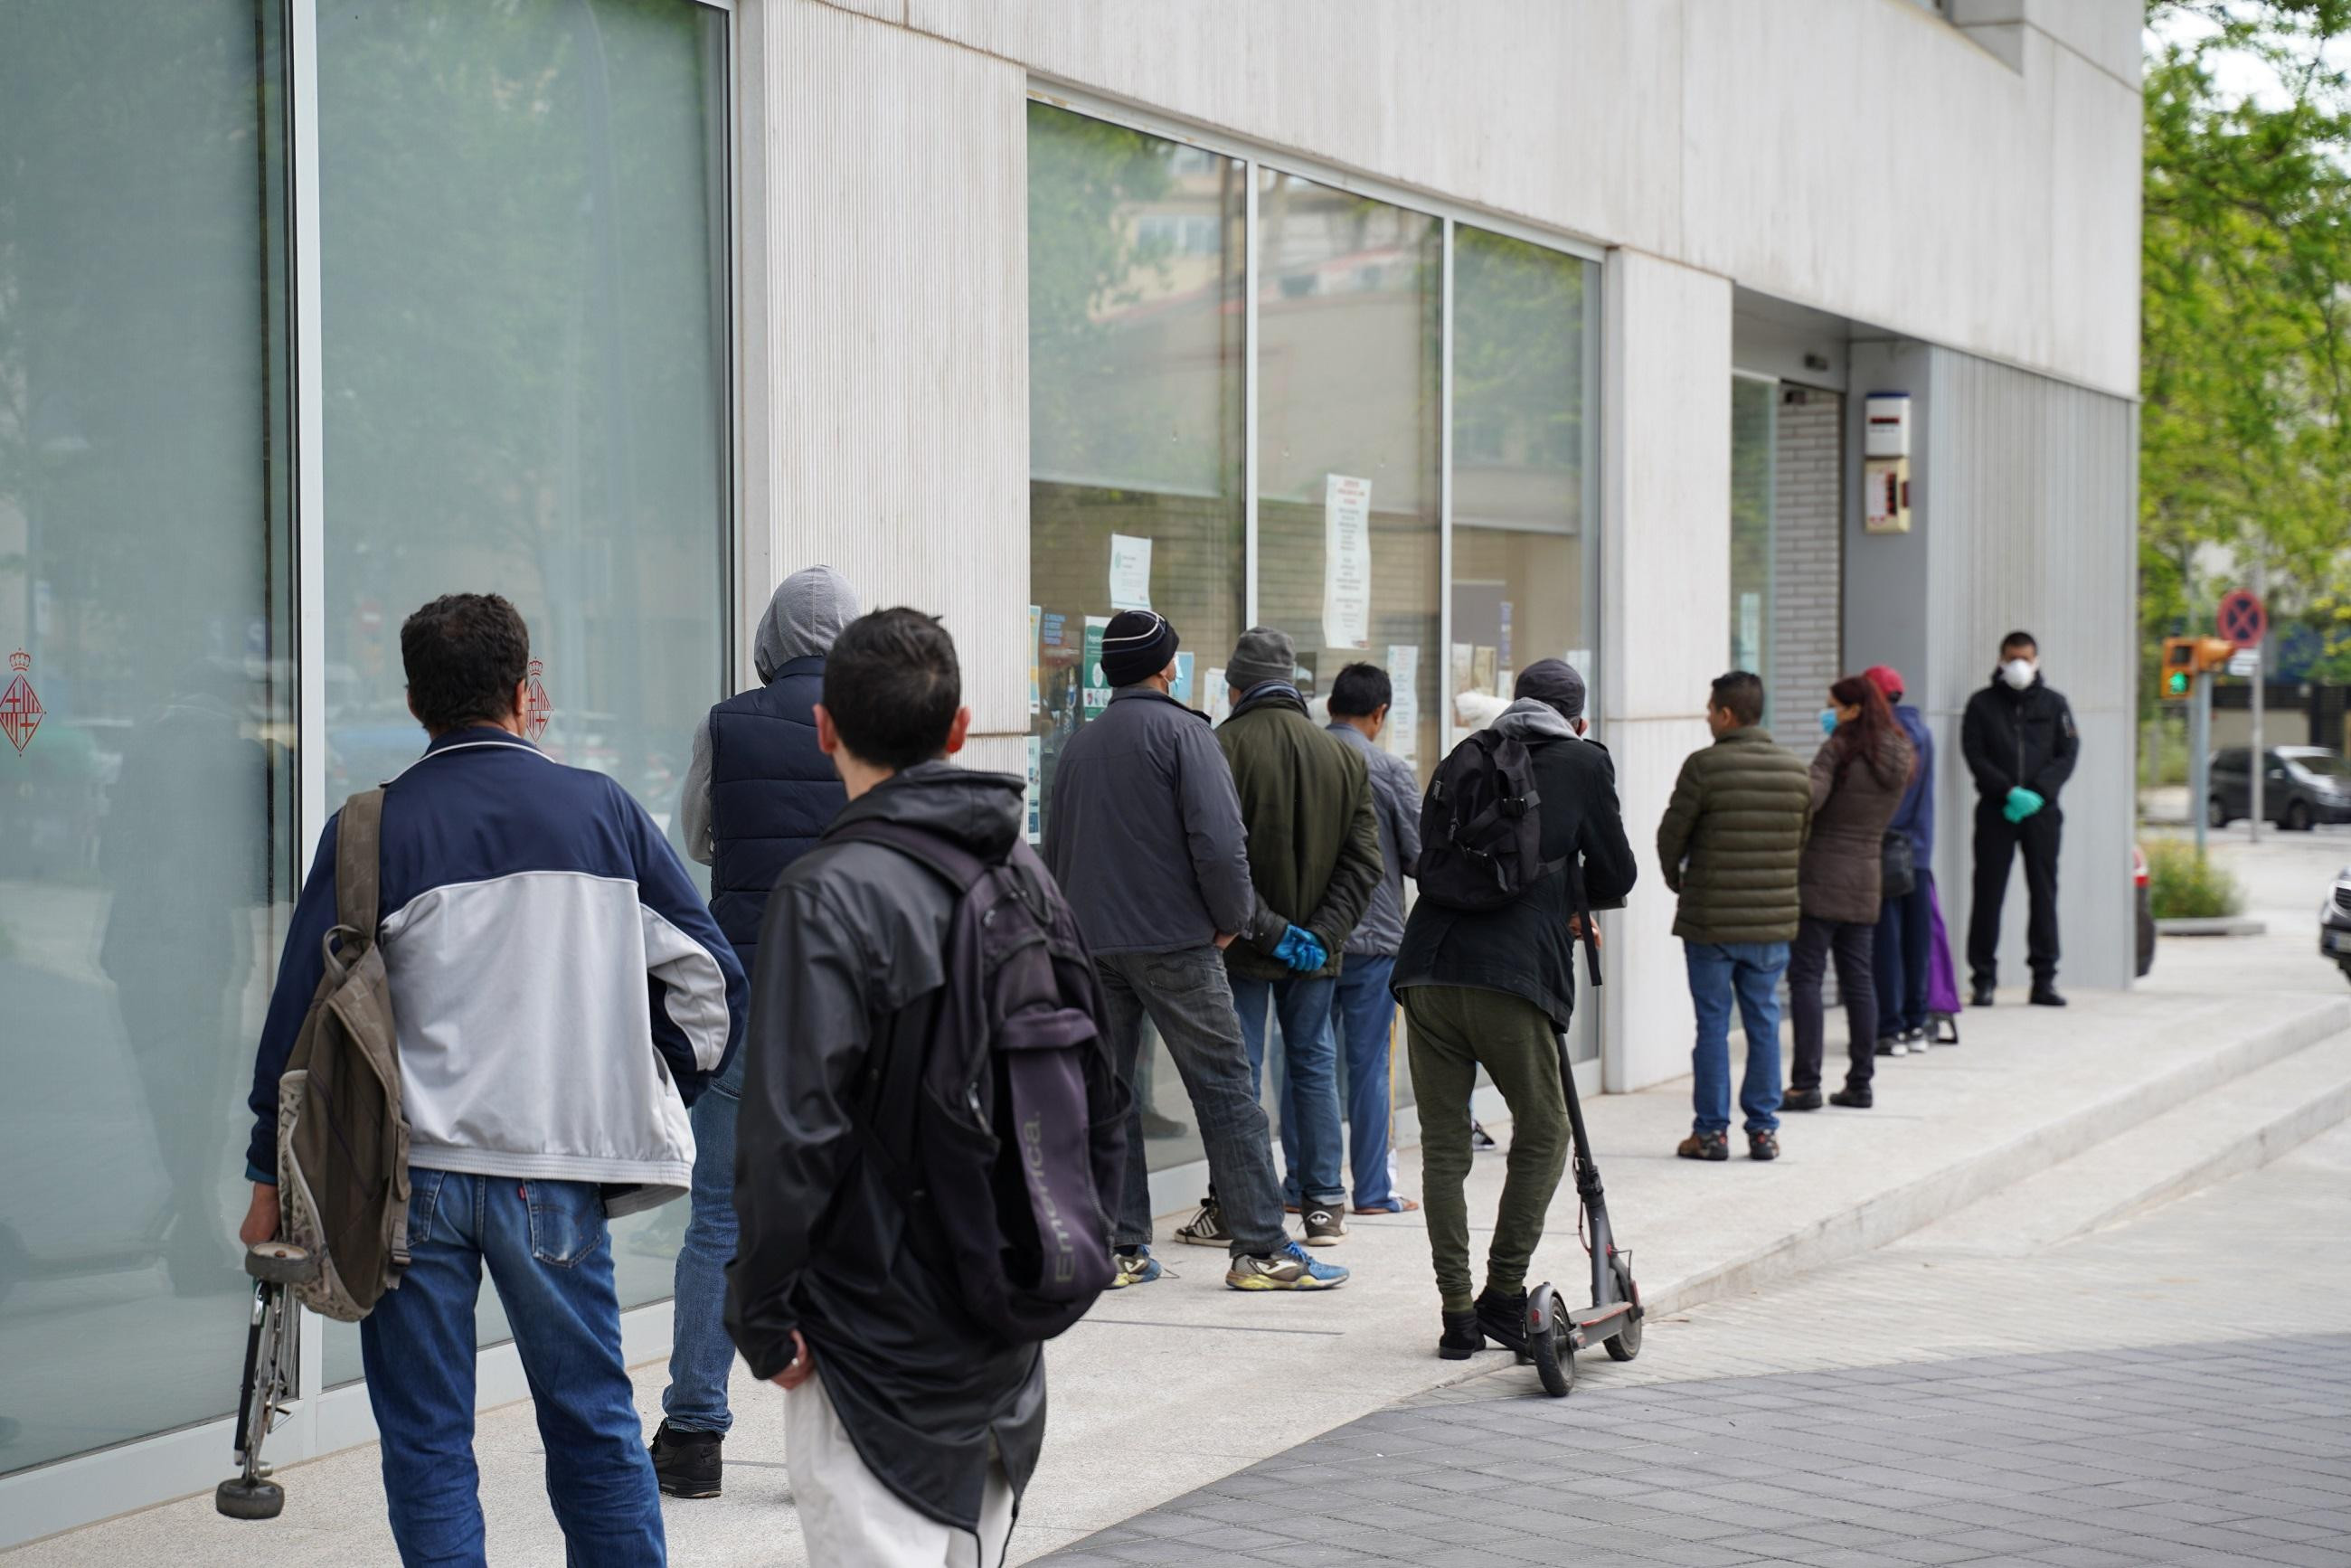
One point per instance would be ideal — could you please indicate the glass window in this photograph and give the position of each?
(1754, 411)
(147, 778)
(1525, 580)
(1135, 427)
(1349, 310)
(524, 318)
(1525, 490)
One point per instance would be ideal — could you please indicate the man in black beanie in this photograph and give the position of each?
(1144, 834)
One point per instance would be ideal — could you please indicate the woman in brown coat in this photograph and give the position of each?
(1858, 778)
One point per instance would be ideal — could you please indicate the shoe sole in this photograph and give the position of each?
(1259, 1283)
(1448, 1352)
(1325, 1241)
(688, 1493)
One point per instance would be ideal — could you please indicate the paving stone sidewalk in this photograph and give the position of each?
(2206, 1454)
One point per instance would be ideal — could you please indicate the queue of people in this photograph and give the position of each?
(581, 1036)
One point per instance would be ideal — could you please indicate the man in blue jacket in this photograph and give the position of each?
(1906, 928)
(758, 794)
(561, 995)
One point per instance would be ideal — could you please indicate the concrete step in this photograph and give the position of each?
(2237, 1126)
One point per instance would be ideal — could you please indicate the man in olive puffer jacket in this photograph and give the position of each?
(1730, 844)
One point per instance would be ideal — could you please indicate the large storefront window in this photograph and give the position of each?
(1144, 286)
(524, 316)
(1754, 405)
(147, 777)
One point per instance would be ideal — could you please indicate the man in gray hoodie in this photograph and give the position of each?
(758, 794)
(1144, 834)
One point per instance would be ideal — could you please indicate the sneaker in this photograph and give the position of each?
(1854, 1099)
(1762, 1146)
(1207, 1228)
(1462, 1337)
(1916, 1038)
(2044, 995)
(1325, 1228)
(686, 1464)
(1891, 1045)
(1135, 1266)
(1503, 1318)
(1481, 1141)
(1801, 1100)
(1705, 1146)
(1287, 1269)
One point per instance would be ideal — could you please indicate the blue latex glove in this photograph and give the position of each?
(1301, 950)
(2021, 803)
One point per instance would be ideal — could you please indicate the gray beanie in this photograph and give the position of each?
(1262, 654)
(1556, 683)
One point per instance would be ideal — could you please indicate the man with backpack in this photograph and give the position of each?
(1314, 857)
(1144, 833)
(758, 794)
(1521, 839)
(561, 995)
(930, 1126)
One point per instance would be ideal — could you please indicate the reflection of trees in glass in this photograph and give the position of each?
(1518, 361)
(1752, 409)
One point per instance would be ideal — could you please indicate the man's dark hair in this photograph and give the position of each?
(892, 686)
(464, 654)
(1360, 691)
(1740, 695)
(2019, 639)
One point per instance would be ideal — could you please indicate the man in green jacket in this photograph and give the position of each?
(1314, 855)
(1730, 844)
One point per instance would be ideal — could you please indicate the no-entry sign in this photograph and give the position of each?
(2243, 620)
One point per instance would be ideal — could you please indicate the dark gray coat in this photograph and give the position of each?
(1144, 832)
(1843, 863)
(1395, 801)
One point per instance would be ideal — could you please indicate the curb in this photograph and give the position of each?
(2211, 925)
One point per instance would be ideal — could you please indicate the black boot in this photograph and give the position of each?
(1801, 1100)
(1461, 1339)
(1854, 1099)
(1981, 996)
(1503, 1318)
(686, 1464)
(2044, 995)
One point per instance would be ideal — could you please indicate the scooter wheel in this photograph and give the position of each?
(1548, 1342)
(280, 1263)
(240, 1499)
(1625, 1342)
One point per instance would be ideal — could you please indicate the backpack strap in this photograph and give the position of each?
(359, 862)
(956, 866)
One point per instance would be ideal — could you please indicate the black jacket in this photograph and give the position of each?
(2012, 737)
(1524, 948)
(849, 968)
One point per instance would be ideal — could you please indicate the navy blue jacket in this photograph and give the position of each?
(773, 792)
(1915, 815)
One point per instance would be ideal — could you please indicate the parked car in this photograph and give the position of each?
(2334, 924)
(2146, 903)
(2303, 786)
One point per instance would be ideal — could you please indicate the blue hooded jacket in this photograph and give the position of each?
(1915, 815)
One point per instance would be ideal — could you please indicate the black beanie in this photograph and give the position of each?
(1136, 645)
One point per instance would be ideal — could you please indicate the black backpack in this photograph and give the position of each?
(1482, 826)
(1016, 1144)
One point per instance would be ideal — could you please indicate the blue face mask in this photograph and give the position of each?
(1828, 721)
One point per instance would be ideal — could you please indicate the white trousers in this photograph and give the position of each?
(850, 1520)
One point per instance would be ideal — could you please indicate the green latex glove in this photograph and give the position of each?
(2021, 803)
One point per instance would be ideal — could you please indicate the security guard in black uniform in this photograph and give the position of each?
(2020, 742)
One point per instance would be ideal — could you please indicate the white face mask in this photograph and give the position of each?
(2017, 673)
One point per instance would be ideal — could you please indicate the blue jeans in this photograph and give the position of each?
(701, 1356)
(1717, 972)
(1362, 1014)
(550, 1257)
(1310, 1080)
(1904, 938)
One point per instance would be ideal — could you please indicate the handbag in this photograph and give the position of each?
(1898, 871)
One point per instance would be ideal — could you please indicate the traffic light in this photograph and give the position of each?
(2185, 658)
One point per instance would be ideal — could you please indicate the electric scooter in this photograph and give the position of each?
(276, 1266)
(1556, 1331)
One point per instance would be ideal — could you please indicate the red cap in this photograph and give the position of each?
(1886, 678)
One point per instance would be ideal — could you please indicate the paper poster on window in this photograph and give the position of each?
(1217, 699)
(1036, 789)
(1036, 642)
(1097, 684)
(1346, 562)
(1483, 666)
(1403, 702)
(1130, 572)
(1182, 688)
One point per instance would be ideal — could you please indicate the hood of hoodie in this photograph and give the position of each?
(1531, 719)
(984, 813)
(806, 612)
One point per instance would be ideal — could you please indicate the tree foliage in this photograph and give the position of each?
(2245, 434)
